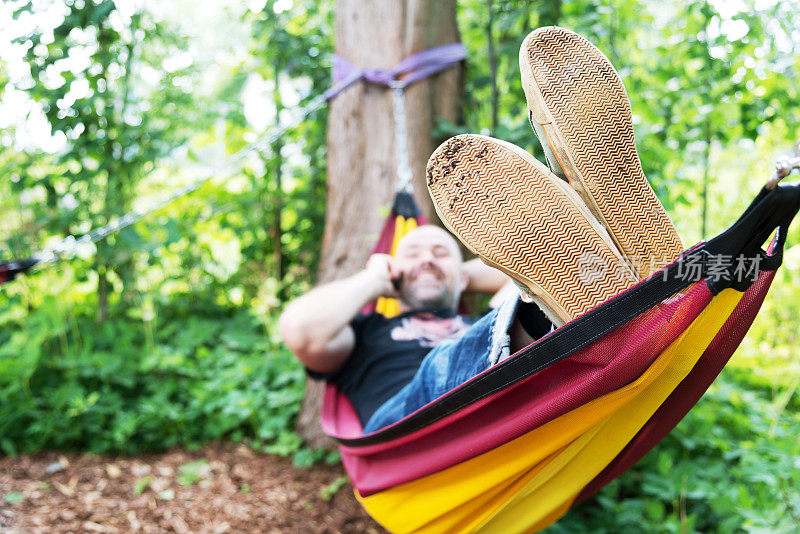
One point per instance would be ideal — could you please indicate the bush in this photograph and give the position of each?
(196, 371)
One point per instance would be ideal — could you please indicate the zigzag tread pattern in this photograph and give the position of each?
(511, 213)
(590, 107)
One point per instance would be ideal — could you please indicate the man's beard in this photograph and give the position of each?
(416, 298)
(444, 299)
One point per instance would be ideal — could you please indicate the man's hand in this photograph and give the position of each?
(385, 271)
(316, 326)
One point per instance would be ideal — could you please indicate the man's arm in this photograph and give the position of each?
(482, 278)
(488, 280)
(316, 326)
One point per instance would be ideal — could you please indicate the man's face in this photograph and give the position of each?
(430, 261)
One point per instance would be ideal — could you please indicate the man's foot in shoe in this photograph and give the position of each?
(517, 216)
(580, 111)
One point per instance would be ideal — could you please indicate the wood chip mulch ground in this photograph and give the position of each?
(219, 488)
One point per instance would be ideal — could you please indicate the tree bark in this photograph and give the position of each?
(361, 143)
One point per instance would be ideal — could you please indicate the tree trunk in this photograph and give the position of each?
(492, 63)
(361, 144)
(276, 199)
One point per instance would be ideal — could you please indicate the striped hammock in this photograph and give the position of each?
(516, 447)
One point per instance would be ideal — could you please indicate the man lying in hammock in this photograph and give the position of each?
(570, 239)
(370, 357)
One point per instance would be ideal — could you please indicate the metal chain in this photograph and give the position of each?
(70, 245)
(404, 174)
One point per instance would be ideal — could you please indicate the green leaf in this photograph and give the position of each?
(191, 472)
(13, 497)
(331, 489)
(141, 485)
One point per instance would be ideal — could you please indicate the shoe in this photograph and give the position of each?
(517, 216)
(580, 111)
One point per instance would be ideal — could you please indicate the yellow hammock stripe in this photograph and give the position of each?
(456, 521)
(391, 307)
(531, 481)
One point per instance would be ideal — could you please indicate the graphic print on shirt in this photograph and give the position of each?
(429, 329)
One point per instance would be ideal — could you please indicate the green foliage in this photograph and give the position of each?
(192, 373)
(288, 190)
(327, 493)
(13, 497)
(89, 75)
(142, 484)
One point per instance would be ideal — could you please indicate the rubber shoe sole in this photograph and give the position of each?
(517, 216)
(580, 111)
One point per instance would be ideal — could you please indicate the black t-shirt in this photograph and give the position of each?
(388, 352)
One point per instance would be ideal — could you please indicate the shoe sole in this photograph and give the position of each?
(582, 111)
(517, 216)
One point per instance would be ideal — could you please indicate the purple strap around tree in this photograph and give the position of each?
(409, 70)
